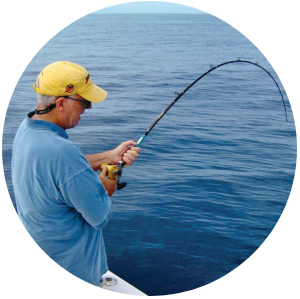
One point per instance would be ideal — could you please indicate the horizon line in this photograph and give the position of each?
(149, 13)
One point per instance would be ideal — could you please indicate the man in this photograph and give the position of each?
(60, 199)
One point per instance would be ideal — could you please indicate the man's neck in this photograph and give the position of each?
(50, 116)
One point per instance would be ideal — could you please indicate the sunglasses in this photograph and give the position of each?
(87, 104)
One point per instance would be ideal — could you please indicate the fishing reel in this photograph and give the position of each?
(115, 172)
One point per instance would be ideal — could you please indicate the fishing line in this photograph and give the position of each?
(179, 95)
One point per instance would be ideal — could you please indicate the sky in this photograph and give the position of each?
(150, 7)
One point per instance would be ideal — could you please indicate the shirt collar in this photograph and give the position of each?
(45, 125)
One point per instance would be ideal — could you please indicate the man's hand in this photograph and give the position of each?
(125, 152)
(108, 184)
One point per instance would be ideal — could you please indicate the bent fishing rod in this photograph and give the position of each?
(115, 171)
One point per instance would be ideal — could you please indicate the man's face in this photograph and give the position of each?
(75, 106)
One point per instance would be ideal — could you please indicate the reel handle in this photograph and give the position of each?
(120, 185)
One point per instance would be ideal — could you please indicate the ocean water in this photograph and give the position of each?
(213, 176)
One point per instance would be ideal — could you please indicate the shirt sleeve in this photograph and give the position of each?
(80, 187)
(85, 193)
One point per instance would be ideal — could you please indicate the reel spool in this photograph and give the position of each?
(114, 172)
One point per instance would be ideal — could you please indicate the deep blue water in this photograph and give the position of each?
(213, 176)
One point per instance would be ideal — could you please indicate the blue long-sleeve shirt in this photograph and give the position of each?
(60, 199)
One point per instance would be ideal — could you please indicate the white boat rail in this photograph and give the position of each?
(114, 283)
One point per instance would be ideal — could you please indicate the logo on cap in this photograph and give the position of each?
(69, 88)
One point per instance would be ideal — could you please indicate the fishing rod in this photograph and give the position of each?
(115, 171)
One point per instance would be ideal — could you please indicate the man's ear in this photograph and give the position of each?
(60, 104)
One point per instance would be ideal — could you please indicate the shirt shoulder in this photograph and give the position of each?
(47, 153)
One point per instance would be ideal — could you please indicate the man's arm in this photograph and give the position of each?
(96, 160)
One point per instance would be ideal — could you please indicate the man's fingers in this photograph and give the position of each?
(130, 156)
(133, 153)
(104, 171)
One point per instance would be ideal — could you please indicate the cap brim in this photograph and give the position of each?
(95, 94)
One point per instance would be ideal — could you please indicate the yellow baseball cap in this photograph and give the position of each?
(64, 78)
